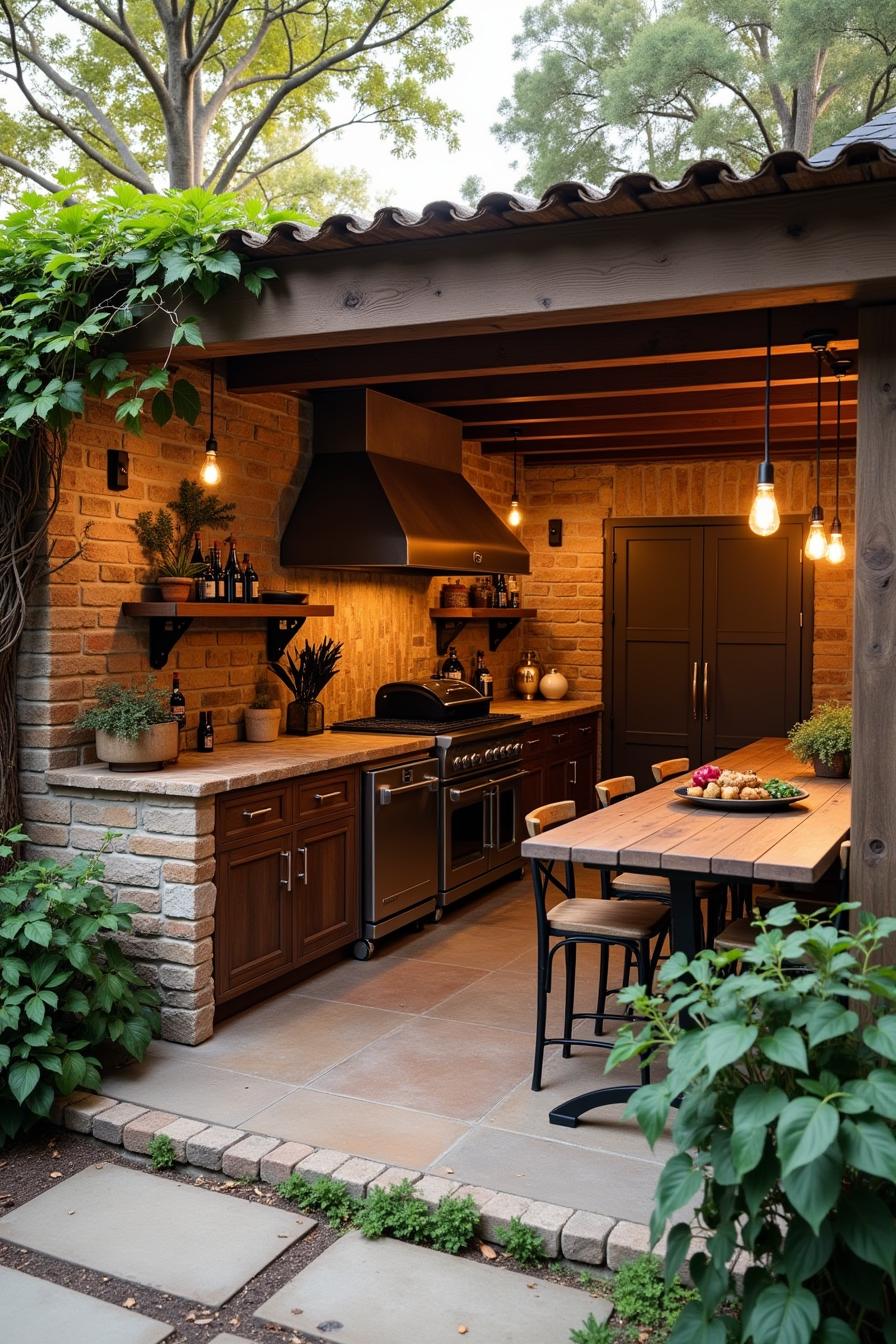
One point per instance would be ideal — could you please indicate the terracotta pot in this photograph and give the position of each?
(838, 768)
(176, 589)
(262, 725)
(152, 749)
(304, 718)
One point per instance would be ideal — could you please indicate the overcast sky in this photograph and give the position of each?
(483, 75)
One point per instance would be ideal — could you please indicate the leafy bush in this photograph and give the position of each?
(126, 711)
(325, 1196)
(641, 1296)
(591, 1333)
(66, 988)
(161, 1152)
(785, 1129)
(166, 538)
(396, 1212)
(454, 1224)
(828, 733)
(524, 1244)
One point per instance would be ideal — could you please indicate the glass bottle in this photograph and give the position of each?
(197, 558)
(205, 584)
(513, 591)
(482, 679)
(251, 591)
(500, 590)
(233, 576)
(453, 668)
(218, 574)
(205, 733)
(178, 704)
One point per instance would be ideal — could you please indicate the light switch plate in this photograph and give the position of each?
(555, 531)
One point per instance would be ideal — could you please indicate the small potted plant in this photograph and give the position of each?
(166, 537)
(305, 681)
(825, 739)
(134, 726)
(262, 716)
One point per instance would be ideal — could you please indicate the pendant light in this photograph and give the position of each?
(211, 472)
(515, 517)
(764, 516)
(816, 541)
(836, 552)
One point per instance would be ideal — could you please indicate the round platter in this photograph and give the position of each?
(742, 805)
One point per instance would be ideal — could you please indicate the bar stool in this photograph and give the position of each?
(671, 769)
(573, 920)
(742, 935)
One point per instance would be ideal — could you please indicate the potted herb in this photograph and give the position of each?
(825, 739)
(262, 716)
(305, 681)
(134, 726)
(166, 537)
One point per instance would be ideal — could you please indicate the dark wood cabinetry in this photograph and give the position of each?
(287, 879)
(561, 761)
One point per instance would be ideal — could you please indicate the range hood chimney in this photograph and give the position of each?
(385, 491)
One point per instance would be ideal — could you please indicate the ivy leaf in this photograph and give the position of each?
(679, 1182)
(824, 1020)
(783, 1314)
(649, 1105)
(806, 1252)
(814, 1189)
(23, 1079)
(806, 1128)
(786, 1047)
(724, 1042)
(881, 1036)
(866, 1225)
(186, 401)
(869, 1146)
(187, 331)
(758, 1106)
(747, 1147)
(155, 378)
(223, 263)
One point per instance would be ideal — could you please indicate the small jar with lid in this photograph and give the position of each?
(527, 675)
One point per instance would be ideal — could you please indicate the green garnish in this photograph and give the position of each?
(779, 788)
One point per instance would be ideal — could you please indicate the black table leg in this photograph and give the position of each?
(568, 1112)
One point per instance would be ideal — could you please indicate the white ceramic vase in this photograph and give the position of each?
(553, 685)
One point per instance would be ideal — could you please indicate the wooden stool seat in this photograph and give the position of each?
(631, 920)
(663, 770)
(740, 934)
(625, 884)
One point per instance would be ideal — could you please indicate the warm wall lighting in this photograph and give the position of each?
(515, 517)
(210, 472)
(836, 552)
(817, 541)
(764, 516)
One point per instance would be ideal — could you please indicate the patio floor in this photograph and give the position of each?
(420, 1058)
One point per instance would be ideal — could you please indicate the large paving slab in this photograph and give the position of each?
(164, 1234)
(382, 1292)
(37, 1312)
(182, 1084)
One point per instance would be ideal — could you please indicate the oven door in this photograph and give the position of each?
(466, 832)
(506, 823)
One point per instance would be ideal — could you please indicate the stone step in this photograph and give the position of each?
(36, 1312)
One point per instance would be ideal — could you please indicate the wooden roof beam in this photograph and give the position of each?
(635, 406)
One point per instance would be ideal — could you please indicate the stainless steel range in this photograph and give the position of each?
(475, 775)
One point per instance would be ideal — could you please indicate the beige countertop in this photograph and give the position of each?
(240, 765)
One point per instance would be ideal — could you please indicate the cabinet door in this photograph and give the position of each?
(326, 887)
(581, 782)
(255, 932)
(532, 787)
(556, 780)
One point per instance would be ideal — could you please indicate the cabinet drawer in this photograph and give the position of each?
(326, 795)
(533, 740)
(253, 812)
(558, 737)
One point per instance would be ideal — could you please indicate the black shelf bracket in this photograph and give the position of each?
(164, 632)
(282, 630)
(447, 631)
(499, 627)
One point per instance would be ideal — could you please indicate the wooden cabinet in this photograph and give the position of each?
(287, 879)
(566, 768)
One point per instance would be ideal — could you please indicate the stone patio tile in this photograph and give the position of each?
(140, 1132)
(109, 1124)
(357, 1173)
(207, 1148)
(322, 1162)
(584, 1237)
(242, 1160)
(432, 1189)
(393, 1176)
(36, 1312)
(184, 1084)
(179, 1132)
(548, 1220)
(167, 1235)
(280, 1161)
(357, 1292)
(80, 1114)
(495, 1216)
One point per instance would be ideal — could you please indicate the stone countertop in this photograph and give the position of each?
(240, 765)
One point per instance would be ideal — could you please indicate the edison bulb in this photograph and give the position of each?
(816, 542)
(764, 516)
(211, 472)
(514, 517)
(836, 552)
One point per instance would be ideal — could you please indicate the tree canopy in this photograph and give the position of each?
(611, 86)
(224, 94)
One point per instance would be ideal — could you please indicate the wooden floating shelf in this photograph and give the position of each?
(169, 620)
(450, 621)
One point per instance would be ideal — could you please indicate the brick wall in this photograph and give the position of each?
(567, 584)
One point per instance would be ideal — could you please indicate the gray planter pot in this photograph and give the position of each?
(262, 725)
(150, 750)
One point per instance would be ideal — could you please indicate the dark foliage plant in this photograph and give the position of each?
(315, 669)
(786, 1077)
(166, 536)
(66, 988)
(126, 711)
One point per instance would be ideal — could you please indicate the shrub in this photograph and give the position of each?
(641, 1297)
(325, 1196)
(166, 539)
(454, 1224)
(66, 988)
(785, 1129)
(126, 711)
(524, 1244)
(828, 733)
(161, 1152)
(591, 1333)
(396, 1212)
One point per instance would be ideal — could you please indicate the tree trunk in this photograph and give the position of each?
(806, 114)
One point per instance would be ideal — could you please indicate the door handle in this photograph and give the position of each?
(287, 880)
(491, 801)
(259, 812)
(456, 794)
(303, 875)
(694, 690)
(574, 767)
(427, 782)
(505, 779)
(706, 690)
(325, 797)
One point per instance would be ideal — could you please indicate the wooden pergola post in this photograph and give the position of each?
(874, 648)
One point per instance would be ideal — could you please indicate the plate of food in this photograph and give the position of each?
(739, 790)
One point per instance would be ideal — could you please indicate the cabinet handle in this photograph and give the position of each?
(287, 880)
(558, 737)
(505, 779)
(532, 741)
(585, 731)
(303, 875)
(259, 812)
(706, 690)
(427, 782)
(325, 797)
(489, 819)
(574, 767)
(694, 691)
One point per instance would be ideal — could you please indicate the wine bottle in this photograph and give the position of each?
(500, 590)
(218, 575)
(233, 576)
(513, 591)
(205, 733)
(197, 558)
(482, 678)
(453, 668)
(251, 591)
(178, 704)
(205, 584)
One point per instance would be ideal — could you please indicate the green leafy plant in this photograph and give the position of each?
(66, 988)
(264, 695)
(453, 1224)
(161, 1152)
(316, 667)
(524, 1244)
(396, 1212)
(828, 733)
(641, 1297)
(325, 1196)
(589, 1332)
(166, 536)
(126, 711)
(785, 1132)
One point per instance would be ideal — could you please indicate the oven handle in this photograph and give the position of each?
(456, 794)
(427, 782)
(505, 779)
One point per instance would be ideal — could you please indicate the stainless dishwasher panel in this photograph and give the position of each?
(400, 843)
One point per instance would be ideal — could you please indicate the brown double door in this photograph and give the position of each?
(708, 650)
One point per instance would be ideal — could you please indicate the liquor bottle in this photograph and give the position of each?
(513, 591)
(178, 704)
(482, 678)
(500, 591)
(251, 591)
(233, 576)
(205, 733)
(218, 575)
(453, 668)
(197, 558)
(205, 584)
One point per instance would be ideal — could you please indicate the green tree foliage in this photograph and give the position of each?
(611, 86)
(215, 93)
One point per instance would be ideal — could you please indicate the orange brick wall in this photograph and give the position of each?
(567, 584)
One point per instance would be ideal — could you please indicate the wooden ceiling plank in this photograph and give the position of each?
(785, 403)
(729, 429)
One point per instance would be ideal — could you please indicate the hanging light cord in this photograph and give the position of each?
(768, 381)
(837, 450)
(516, 438)
(818, 359)
(211, 406)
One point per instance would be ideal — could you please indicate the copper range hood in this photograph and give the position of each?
(385, 491)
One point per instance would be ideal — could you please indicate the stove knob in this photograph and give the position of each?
(476, 759)
(518, 748)
(463, 762)
(505, 752)
(490, 755)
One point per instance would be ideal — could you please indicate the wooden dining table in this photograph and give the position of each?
(657, 832)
